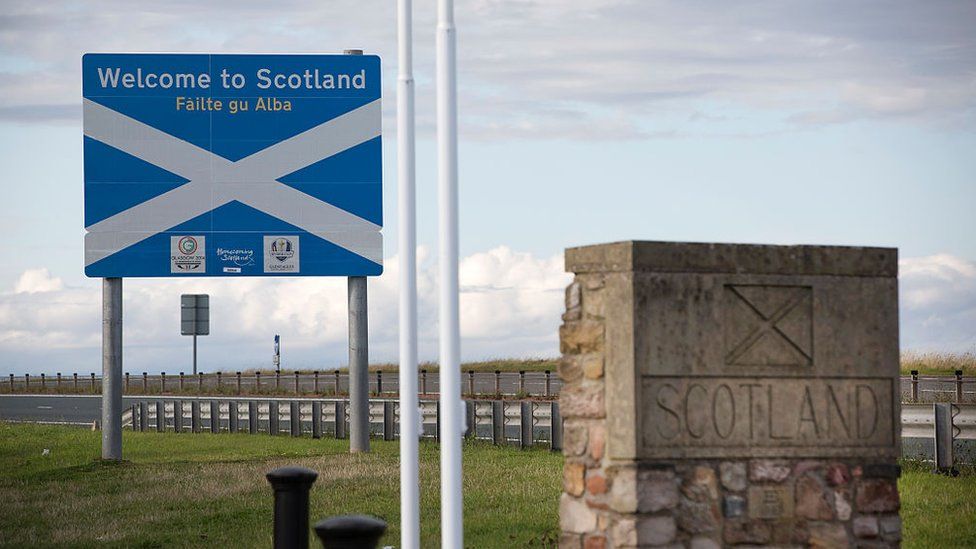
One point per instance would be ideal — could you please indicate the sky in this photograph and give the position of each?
(581, 121)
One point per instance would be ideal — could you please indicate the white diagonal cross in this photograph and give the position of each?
(215, 181)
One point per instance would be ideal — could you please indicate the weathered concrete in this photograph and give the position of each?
(726, 394)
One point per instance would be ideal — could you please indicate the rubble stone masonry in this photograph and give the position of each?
(720, 395)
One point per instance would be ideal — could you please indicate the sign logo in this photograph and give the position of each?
(281, 254)
(187, 245)
(281, 249)
(188, 254)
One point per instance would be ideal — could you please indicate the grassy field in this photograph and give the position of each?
(938, 364)
(937, 511)
(209, 490)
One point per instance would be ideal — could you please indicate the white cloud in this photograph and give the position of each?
(37, 280)
(938, 303)
(577, 69)
(510, 306)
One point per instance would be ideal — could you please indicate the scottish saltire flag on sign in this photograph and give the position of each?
(232, 165)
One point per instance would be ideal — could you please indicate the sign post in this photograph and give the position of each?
(111, 368)
(227, 166)
(194, 319)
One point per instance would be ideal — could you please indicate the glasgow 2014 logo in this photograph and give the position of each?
(187, 245)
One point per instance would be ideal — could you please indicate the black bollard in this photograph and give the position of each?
(291, 486)
(350, 532)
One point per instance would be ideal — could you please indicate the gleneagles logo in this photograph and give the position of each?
(282, 249)
(281, 254)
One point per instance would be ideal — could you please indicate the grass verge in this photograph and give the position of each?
(210, 490)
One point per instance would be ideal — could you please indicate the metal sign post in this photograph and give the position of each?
(358, 366)
(111, 368)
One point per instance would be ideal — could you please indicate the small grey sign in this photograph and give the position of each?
(195, 314)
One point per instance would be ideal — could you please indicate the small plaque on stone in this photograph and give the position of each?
(770, 502)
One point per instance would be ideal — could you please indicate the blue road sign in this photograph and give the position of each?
(232, 165)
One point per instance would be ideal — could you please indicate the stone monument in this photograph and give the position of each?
(718, 395)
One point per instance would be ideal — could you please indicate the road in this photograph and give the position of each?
(76, 409)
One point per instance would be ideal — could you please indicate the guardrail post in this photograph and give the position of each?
(214, 416)
(350, 531)
(160, 416)
(471, 419)
(178, 416)
(437, 421)
(134, 413)
(521, 384)
(340, 419)
(498, 422)
(145, 382)
(471, 382)
(257, 380)
(126, 381)
(914, 385)
(315, 382)
(525, 437)
(181, 381)
(296, 384)
(218, 381)
(316, 419)
(238, 375)
(273, 417)
(291, 486)
(295, 418)
(200, 381)
(943, 438)
(26, 381)
(195, 416)
(548, 383)
(162, 382)
(233, 416)
(388, 420)
(43, 384)
(379, 382)
(59, 380)
(958, 385)
(423, 382)
(556, 427)
(252, 417)
(498, 382)
(93, 381)
(143, 416)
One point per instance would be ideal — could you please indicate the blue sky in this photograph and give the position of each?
(582, 121)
